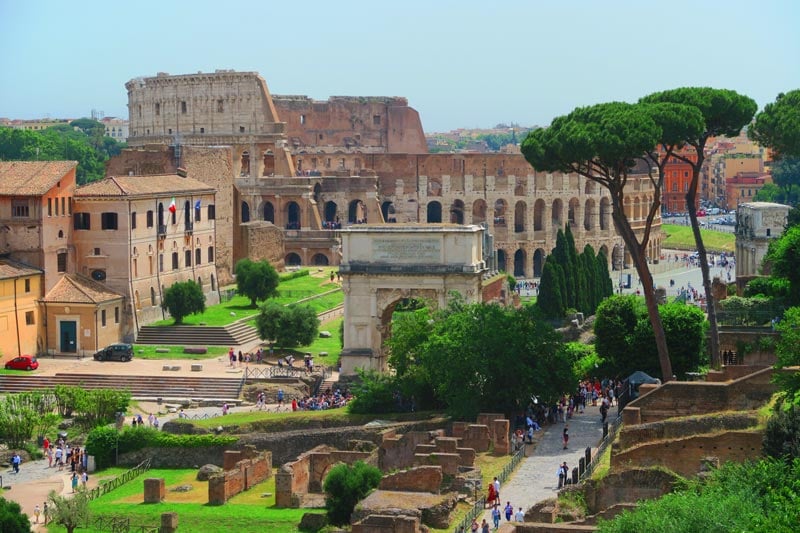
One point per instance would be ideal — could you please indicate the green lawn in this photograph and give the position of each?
(246, 512)
(681, 238)
(331, 344)
(148, 351)
(289, 292)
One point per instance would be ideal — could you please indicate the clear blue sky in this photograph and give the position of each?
(460, 63)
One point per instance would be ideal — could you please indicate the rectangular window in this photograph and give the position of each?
(149, 219)
(103, 318)
(29, 320)
(20, 208)
(82, 221)
(158, 109)
(197, 256)
(202, 130)
(241, 129)
(133, 220)
(188, 258)
(220, 106)
(27, 285)
(376, 120)
(61, 260)
(116, 315)
(63, 211)
(210, 254)
(302, 119)
(50, 206)
(212, 213)
(108, 221)
(183, 107)
(174, 260)
(161, 262)
(70, 205)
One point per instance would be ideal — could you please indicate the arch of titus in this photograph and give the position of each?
(383, 264)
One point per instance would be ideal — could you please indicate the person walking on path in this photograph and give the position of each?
(520, 516)
(496, 484)
(74, 481)
(496, 516)
(563, 470)
(36, 512)
(484, 526)
(509, 511)
(565, 436)
(16, 460)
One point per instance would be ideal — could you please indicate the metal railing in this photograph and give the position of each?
(118, 481)
(270, 372)
(480, 503)
(119, 524)
(594, 460)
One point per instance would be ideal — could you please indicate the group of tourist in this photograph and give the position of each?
(62, 455)
(493, 501)
(152, 421)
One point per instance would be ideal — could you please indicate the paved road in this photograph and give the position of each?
(535, 479)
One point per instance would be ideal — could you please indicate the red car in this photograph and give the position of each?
(23, 362)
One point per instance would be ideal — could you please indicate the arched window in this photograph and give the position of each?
(245, 212)
(434, 213)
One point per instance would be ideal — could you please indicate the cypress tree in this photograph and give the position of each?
(604, 277)
(550, 297)
(562, 258)
(593, 292)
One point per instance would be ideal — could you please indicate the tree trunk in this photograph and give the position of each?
(640, 261)
(713, 330)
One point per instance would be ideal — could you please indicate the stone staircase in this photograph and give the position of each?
(236, 334)
(141, 387)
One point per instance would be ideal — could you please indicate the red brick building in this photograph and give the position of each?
(677, 176)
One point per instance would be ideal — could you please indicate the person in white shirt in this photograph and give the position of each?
(519, 516)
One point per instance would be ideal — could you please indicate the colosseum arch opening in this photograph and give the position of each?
(434, 213)
(479, 211)
(538, 215)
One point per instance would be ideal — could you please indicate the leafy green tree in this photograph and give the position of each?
(295, 325)
(477, 357)
(602, 143)
(256, 280)
(615, 321)
(778, 125)
(183, 299)
(12, 519)
(782, 436)
(345, 486)
(17, 419)
(784, 256)
(770, 287)
(724, 112)
(786, 175)
(99, 406)
(788, 355)
(769, 193)
(71, 513)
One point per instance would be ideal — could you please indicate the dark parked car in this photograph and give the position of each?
(115, 352)
(23, 362)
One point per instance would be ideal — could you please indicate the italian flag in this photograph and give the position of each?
(172, 207)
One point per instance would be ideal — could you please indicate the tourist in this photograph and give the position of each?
(496, 484)
(16, 460)
(509, 510)
(565, 436)
(484, 526)
(36, 512)
(519, 516)
(45, 512)
(46, 445)
(231, 356)
(59, 458)
(474, 526)
(491, 498)
(150, 419)
(280, 397)
(224, 408)
(496, 516)
(562, 472)
(84, 478)
(74, 481)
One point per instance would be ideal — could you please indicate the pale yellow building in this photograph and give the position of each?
(81, 316)
(20, 326)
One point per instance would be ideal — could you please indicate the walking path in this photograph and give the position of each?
(536, 479)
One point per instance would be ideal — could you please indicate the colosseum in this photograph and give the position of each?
(290, 171)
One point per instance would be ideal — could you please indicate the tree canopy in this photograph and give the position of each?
(84, 142)
(778, 125)
(183, 299)
(789, 355)
(69, 512)
(602, 143)
(287, 326)
(12, 519)
(258, 280)
(784, 255)
(478, 357)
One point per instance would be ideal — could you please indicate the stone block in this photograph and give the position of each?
(169, 522)
(631, 416)
(448, 462)
(500, 430)
(195, 349)
(197, 367)
(467, 456)
(476, 437)
(154, 490)
(417, 479)
(446, 444)
(459, 428)
(162, 350)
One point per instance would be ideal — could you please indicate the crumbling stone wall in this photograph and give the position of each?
(685, 455)
(306, 474)
(681, 398)
(627, 486)
(417, 479)
(387, 524)
(242, 470)
(684, 427)
(263, 240)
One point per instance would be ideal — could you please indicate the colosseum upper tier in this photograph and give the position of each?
(309, 167)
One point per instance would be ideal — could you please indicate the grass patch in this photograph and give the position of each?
(4, 372)
(332, 345)
(603, 466)
(287, 421)
(148, 351)
(246, 512)
(290, 291)
(682, 238)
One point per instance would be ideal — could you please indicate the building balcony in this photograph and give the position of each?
(188, 228)
(162, 231)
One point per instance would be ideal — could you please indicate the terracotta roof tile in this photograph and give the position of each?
(11, 269)
(74, 288)
(154, 185)
(31, 178)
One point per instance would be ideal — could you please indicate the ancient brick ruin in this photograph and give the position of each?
(241, 471)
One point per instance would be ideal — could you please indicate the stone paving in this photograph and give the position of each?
(536, 479)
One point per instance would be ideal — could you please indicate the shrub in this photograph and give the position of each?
(782, 436)
(294, 275)
(102, 441)
(183, 299)
(345, 486)
(12, 519)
